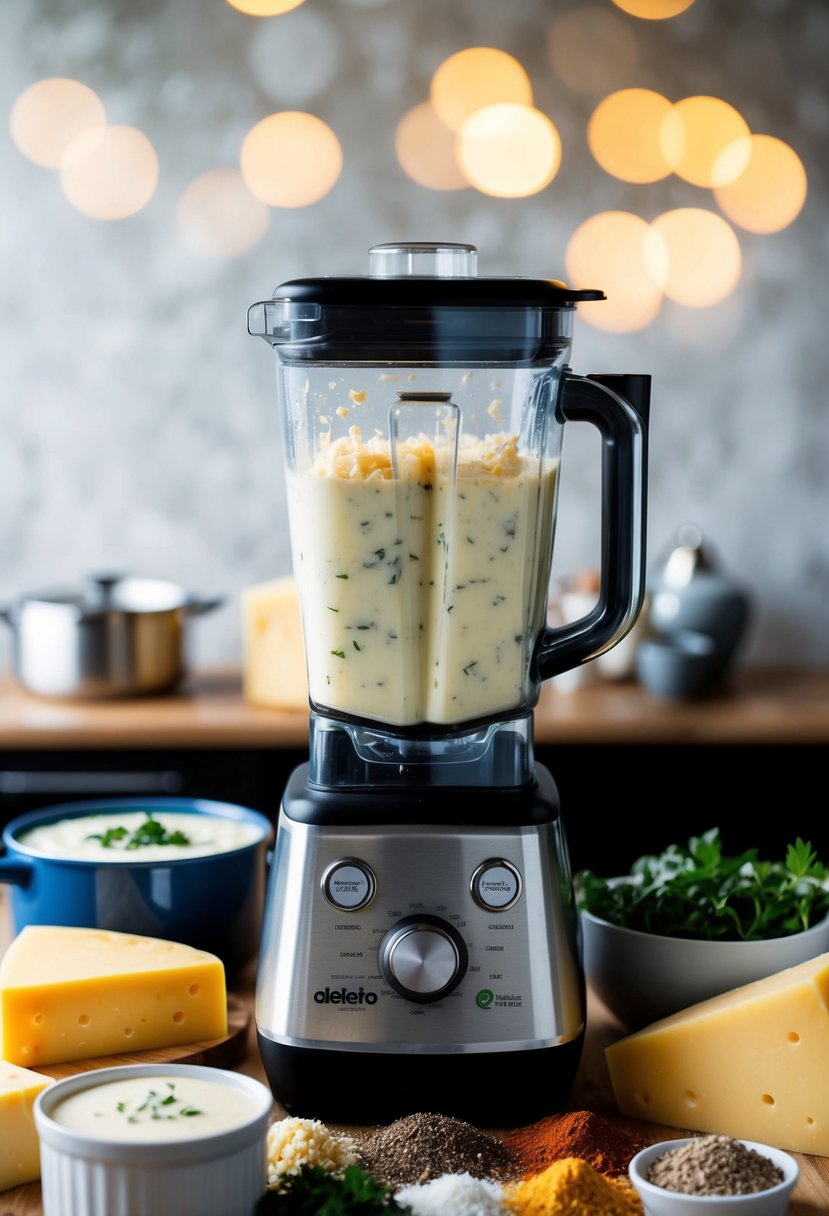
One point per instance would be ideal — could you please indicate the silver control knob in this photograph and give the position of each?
(423, 958)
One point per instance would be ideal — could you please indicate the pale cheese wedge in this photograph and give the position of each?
(69, 994)
(19, 1143)
(752, 1063)
(273, 669)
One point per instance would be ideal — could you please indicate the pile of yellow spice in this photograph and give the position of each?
(572, 1187)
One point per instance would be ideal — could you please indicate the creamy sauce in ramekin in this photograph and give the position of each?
(77, 838)
(149, 1109)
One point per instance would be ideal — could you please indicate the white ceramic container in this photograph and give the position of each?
(642, 977)
(219, 1174)
(657, 1201)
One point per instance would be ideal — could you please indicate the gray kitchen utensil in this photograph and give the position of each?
(112, 636)
(690, 590)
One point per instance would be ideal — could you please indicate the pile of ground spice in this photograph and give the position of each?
(573, 1186)
(714, 1165)
(423, 1146)
(577, 1133)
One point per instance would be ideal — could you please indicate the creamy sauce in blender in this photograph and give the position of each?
(420, 594)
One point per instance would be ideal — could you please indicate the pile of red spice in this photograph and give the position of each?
(576, 1133)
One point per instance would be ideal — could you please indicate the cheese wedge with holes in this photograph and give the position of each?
(752, 1063)
(69, 994)
(19, 1143)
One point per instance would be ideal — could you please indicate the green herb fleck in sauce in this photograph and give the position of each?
(147, 833)
(157, 1105)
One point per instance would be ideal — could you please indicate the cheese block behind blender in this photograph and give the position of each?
(273, 671)
(751, 1063)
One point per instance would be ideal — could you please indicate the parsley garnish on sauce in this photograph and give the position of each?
(147, 833)
(156, 1106)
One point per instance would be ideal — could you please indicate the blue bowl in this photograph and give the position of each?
(212, 902)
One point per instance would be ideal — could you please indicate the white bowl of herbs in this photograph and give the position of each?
(693, 922)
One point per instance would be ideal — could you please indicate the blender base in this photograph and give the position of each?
(489, 1089)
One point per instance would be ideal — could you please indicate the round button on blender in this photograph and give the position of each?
(348, 884)
(423, 958)
(496, 885)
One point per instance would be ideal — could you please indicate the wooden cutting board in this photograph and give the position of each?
(219, 1053)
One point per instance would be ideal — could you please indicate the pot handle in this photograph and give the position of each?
(16, 870)
(199, 607)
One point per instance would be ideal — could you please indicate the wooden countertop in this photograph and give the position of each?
(768, 706)
(591, 1091)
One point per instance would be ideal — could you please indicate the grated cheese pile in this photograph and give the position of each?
(294, 1142)
(352, 459)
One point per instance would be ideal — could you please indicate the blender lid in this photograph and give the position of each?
(421, 302)
(424, 272)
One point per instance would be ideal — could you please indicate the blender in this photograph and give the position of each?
(419, 947)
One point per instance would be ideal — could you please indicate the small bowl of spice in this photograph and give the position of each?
(713, 1175)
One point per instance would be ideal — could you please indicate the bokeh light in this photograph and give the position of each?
(704, 262)
(477, 77)
(508, 151)
(264, 8)
(694, 134)
(624, 135)
(291, 159)
(653, 10)
(48, 115)
(592, 49)
(425, 149)
(295, 60)
(770, 191)
(608, 251)
(109, 173)
(219, 217)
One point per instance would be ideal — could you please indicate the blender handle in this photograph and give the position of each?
(618, 406)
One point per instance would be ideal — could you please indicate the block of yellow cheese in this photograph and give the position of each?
(752, 1063)
(273, 669)
(69, 993)
(19, 1143)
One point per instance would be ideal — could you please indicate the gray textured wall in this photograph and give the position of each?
(139, 426)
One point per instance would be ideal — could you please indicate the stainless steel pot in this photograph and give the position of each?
(114, 636)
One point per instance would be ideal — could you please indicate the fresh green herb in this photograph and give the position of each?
(470, 667)
(147, 833)
(356, 645)
(314, 1191)
(157, 1106)
(330, 609)
(341, 576)
(699, 892)
(340, 654)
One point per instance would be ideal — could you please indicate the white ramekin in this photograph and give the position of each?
(217, 1175)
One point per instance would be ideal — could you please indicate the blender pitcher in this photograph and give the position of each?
(424, 410)
(420, 929)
